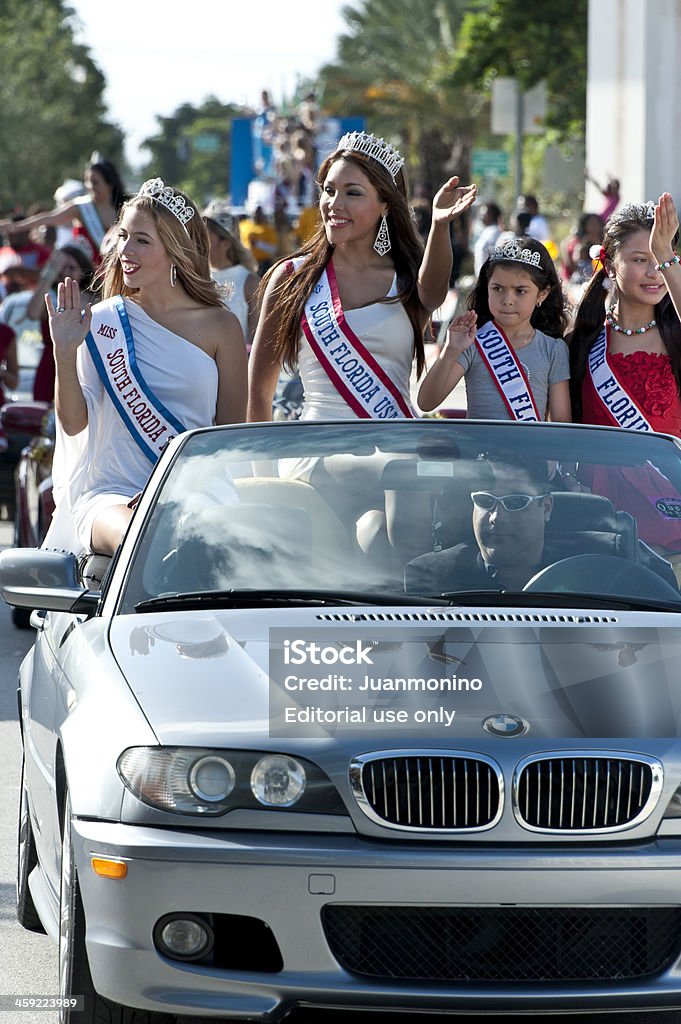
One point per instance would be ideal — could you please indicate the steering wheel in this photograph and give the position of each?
(603, 574)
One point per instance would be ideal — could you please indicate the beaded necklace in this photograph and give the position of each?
(627, 330)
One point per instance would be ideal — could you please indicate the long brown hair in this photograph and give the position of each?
(187, 247)
(407, 251)
(592, 306)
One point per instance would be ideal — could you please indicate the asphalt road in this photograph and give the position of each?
(28, 962)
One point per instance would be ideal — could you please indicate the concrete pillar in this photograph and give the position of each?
(633, 119)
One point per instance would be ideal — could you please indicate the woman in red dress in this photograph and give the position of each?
(626, 361)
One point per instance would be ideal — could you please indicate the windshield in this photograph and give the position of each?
(424, 508)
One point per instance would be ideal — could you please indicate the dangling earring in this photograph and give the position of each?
(173, 274)
(382, 243)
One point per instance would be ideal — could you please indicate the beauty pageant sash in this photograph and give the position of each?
(350, 367)
(112, 348)
(91, 221)
(619, 406)
(507, 373)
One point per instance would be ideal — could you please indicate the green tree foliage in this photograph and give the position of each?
(52, 110)
(391, 68)
(192, 148)
(546, 42)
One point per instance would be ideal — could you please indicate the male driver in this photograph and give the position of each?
(509, 518)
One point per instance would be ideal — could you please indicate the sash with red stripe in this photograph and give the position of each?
(350, 367)
(507, 373)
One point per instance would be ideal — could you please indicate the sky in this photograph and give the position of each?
(155, 57)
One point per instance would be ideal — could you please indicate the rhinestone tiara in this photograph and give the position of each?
(512, 251)
(377, 149)
(168, 197)
(635, 211)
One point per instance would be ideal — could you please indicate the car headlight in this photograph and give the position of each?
(278, 781)
(194, 780)
(179, 779)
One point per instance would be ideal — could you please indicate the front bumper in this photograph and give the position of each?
(285, 879)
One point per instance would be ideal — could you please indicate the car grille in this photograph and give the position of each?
(429, 791)
(585, 793)
(503, 944)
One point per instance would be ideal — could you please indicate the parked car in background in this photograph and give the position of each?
(27, 476)
(366, 714)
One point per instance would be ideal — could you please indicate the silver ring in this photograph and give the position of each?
(60, 309)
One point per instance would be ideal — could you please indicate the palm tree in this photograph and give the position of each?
(391, 67)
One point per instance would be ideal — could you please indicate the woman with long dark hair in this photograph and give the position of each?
(91, 216)
(350, 309)
(625, 355)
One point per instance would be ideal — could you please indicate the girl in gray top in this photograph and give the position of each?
(509, 344)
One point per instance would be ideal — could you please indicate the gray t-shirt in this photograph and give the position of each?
(544, 362)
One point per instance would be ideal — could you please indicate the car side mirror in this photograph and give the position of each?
(39, 578)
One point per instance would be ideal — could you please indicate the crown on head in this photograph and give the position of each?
(635, 211)
(512, 250)
(168, 197)
(377, 149)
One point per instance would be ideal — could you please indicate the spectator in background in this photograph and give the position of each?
(9, 366)
(260, 236)
(306, 224)
(538, 227)
(518, 229)
(587, 232)
(610, 192)
(492, 221)
(232, 264)
(22, 251)
(9, 370)
(91, 216)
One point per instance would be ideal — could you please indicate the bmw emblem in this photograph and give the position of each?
(505, 725)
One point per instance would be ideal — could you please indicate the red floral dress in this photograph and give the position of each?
(648, 378)
(643, 491)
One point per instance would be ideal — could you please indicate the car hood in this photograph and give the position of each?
(205, 677)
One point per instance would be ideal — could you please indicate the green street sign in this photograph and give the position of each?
(488, 163)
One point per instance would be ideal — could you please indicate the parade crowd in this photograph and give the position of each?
(158, 316)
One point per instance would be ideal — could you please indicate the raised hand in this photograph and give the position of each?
(452, 199)
(665, 226)
(69, 323)
(461, 333)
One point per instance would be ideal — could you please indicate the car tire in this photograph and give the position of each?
(75, 978)
(27, 858)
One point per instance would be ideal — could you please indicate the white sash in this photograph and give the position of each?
(350, 367)
(112, 348)
(87, 211)
(619, 407)
(507, 373)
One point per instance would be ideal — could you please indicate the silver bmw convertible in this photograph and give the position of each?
(363, 715)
